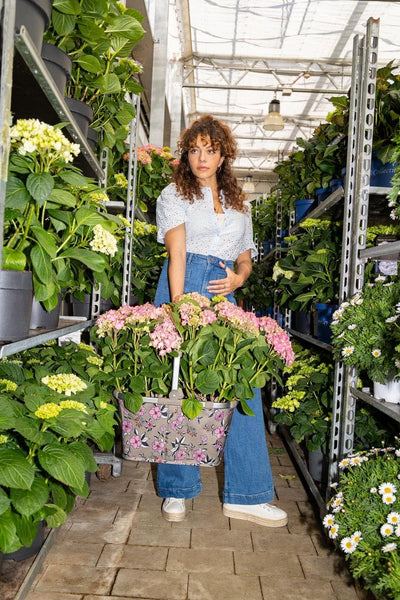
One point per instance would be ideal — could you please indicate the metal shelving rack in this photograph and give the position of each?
(355, 221)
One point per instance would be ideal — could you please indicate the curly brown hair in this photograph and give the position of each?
(221, 138)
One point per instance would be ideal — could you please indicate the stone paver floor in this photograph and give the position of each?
(117, 546)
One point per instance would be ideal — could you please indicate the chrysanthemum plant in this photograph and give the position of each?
(51, 404)
(224, 351)
(363, 518)
(366, 331)
(55, 224)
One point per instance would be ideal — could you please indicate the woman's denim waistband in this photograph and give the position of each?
(202, 258)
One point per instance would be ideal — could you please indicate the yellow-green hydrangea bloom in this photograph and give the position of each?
(48, 410)
(95, 360)
(3, 439)
(65, 383)
(8, 386)
(73, 404)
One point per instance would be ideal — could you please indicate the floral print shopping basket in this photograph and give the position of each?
(160, 432)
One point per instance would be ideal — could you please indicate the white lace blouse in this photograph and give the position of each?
(205, 233)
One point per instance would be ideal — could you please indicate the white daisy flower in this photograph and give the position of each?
(389, 547)
(348, 545)
(397, 531)
(386, 529)
(333, 532)
(328, 520)
(387, 488)
(373, 490)
(376, 352)
(347, 350)
(393, 518)
(356, 537)
(388, 498)
(352, 326)
(344, 463)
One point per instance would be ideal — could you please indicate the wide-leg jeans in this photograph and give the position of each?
(248, 477)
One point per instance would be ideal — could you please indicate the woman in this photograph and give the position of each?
(205, 223)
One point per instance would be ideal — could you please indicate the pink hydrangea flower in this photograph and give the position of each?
(165, 337)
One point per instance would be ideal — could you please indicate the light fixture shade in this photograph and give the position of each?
(273, 121)
(249, 186)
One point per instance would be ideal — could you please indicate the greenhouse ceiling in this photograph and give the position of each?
(237, 55)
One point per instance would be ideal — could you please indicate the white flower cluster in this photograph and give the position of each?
(103, 241)
(30, 136)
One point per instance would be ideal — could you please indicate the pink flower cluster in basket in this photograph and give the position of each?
(194, 312)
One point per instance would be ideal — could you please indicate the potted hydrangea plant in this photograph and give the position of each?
(224, 353)
(52, 404)
(56, 224)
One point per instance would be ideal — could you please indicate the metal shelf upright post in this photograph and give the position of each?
(130, 202)
(355, 220)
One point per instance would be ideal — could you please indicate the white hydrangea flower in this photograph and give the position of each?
(103, 241)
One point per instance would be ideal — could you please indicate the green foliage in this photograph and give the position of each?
(148, 257)
(99, 37)
(365, 330)
(309, 269)
(363, 519)
(306, 404)
(52, 403)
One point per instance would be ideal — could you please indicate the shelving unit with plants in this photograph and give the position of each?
(343, 206)
(35, 422)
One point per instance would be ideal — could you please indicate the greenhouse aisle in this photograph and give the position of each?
(116, 545)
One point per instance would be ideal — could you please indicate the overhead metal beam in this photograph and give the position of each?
(266, 88)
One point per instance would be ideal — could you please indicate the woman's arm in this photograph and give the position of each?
(233, 280)
(175, 243)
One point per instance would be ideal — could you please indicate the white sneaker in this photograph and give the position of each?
(173, 509)
(262, 514)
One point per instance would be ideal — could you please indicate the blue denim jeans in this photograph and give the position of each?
(248, 477)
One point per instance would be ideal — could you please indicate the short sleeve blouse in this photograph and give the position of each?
(205, 234)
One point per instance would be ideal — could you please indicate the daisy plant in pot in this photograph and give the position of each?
(224, 351)
(363, 518)
(366, 332)
(55, 221)
(53, 409)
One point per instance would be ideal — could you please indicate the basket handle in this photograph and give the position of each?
(175, 372)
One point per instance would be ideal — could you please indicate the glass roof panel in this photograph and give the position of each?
(239, 54)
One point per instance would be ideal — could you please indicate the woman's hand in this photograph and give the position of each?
(227, 285)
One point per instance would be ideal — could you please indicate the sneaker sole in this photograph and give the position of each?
(254, 518)
(173, 517)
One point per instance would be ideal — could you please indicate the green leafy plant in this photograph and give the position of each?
(49, 414)
(98, 36)
(224, 351)
(309, 269)
(363, 518)
(55, 223)
(148, 258)
(365, 330)
(306, 404)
